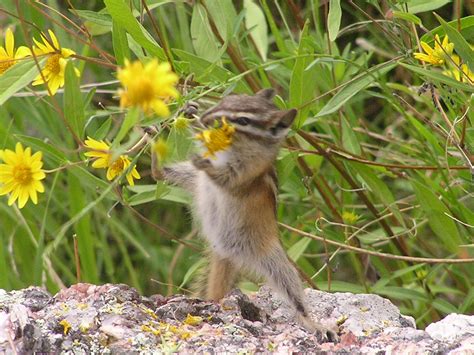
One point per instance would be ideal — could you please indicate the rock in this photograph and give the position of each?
(359, 314)
(116, 319)
(452, 329)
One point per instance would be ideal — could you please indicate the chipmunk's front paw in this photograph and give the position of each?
(201, 163)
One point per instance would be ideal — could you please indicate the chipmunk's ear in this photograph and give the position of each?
(266, 94)
(286, 118)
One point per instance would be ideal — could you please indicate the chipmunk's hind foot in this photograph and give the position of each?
(326, 334)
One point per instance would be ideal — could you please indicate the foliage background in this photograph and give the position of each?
(377, 168)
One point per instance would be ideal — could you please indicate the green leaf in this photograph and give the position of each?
(82, 228)
(443, 226)
(97, 18)
(297, 249)
(256, 24)
(207, 72)
(274, 27)
(341, 286)
(402, 293)
(415, 6)
(73, 104)
(407, 17)
(460, 44)
(223, 14)
(131, 119)
(384, 281)
(120, 43)
(438, 77)
(17, 77)
(444, 306)
(149, 193)
(303, 81)
(104, 128)
(204, 41)
(334, 18)
(356, 85)
(350, 141)
(121, 14)
(49, 151)
(193, 270)
(378, 187)
(467, 30)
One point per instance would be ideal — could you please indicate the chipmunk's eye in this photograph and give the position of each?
(243, 121)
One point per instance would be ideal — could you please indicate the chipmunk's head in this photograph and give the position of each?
(254, 117)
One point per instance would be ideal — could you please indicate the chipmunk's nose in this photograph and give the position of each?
(208, 120)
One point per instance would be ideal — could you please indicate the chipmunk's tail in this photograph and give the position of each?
(284, 278)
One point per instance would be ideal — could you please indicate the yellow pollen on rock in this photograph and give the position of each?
(22, 174)
(52, 64)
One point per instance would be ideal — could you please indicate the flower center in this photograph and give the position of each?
(117, 166)
(140, 91)
(22, 174)
(52, 64)
(5, 63)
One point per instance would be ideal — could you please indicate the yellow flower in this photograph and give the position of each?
(216, 139)
(53, 71)
(181, 123)
(349, 217)
(101, 151)
(147, 86)
(436, 55)
(21, 175)
(161, 149)
(460, 72)
(8, 55)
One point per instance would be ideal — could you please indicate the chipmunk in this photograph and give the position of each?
(235, 200)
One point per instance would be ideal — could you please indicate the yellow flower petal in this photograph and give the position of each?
(426, 48)
(23, 198)
(33, 196)
(54, 39)
(9, 43)
(100, 163)
(13, 197)
(7, 188)
(22, 52)
(38, 185)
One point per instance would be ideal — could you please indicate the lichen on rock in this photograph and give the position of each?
(111, 318)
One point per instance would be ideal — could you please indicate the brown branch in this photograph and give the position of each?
(165, 233)
(308, 172)
(233, 54)
(411, 259)
(296, 13)
(348, 156)
(399, 243)
(160, 35)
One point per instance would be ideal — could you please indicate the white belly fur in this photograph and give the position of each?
(220, 217)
